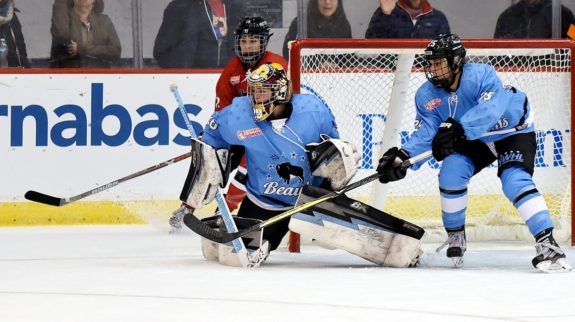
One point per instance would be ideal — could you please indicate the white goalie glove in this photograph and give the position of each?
(205, 175)
(333, 159)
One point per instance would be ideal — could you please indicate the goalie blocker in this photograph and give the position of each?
(357, 228)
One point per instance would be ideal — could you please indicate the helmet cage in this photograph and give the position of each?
(268, 87)
(251, 57)
(448, 47)
(256, 27)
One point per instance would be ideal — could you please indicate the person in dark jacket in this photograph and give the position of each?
(82, 36)
(407, 19)
(197, 33)
(325, 19)
(530, 19)
(11, 31)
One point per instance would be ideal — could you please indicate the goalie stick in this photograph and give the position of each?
(224, 237)
(56, 201)
(246, 259)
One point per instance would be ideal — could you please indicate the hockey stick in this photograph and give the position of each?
(224, 237)
(231, 227)
(56, 201)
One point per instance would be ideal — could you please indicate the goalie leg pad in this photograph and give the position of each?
(227, 256)
(210, 249)
(355, 227)
(205, 175)
(376, 245)
(258, 249)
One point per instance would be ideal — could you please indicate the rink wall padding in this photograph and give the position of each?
(130, 212)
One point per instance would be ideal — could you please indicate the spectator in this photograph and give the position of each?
(325, 19)
(196, 33)
(530, 19)
(83, 37)
(406, 19)
(11, 30)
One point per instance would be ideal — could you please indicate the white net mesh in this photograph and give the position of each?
(368, 88)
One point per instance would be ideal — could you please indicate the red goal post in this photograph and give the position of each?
(370, 85)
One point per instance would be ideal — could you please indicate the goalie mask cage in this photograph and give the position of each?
(370, 85)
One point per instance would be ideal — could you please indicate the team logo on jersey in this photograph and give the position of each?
(431, 105)
(486, 96)
(287, 171)
(234, 80)
(249, 133)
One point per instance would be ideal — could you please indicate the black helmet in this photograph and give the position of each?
(444, 46)
(256, 27)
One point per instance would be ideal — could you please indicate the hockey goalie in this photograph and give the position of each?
(290, 142)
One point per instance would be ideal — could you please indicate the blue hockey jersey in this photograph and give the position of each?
(277, 160)
(486, 109)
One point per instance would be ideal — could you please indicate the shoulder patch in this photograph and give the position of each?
(431, 105)
(234, 80)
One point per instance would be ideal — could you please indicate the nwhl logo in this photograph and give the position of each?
(510, 156)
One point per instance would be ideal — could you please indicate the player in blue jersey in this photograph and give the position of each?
(469, 119)
(290, 141)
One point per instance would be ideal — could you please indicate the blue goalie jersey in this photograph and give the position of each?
(486, 109)
(277, 161)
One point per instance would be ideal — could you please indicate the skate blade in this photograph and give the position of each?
(559, 266)
(457, 262)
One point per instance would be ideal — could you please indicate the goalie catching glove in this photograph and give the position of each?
(205, 175)
(389, 167)
(333, 159)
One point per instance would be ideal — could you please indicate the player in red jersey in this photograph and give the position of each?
(252, 36)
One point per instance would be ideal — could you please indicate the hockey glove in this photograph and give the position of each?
(448, 140)
(389, 167)
(334, 159)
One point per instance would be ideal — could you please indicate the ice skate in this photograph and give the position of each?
(550, 257)
(457, 245)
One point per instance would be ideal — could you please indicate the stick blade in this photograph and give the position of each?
(43, 198)
(200, 228)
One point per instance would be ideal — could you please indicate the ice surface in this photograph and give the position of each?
(140, 273)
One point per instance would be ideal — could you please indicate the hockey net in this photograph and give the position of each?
(370, 86)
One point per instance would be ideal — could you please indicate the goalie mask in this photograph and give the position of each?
(252, 34)
(444, 56)
(268, 86)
